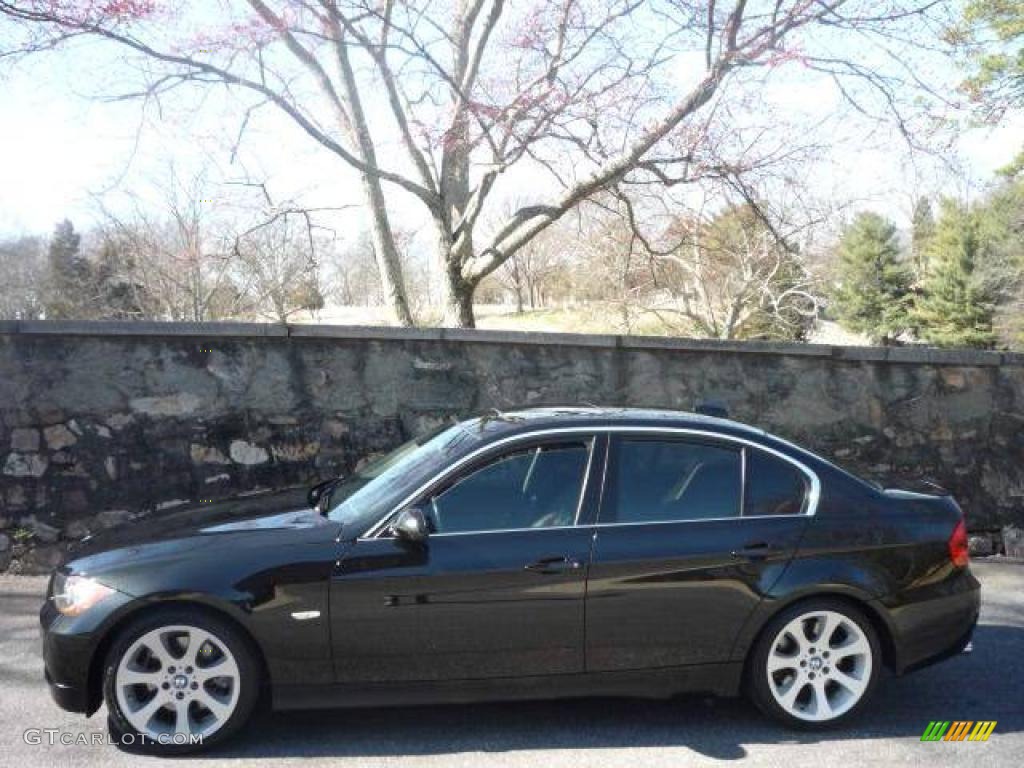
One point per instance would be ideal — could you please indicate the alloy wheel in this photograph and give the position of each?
(177, 681)
(819, 666)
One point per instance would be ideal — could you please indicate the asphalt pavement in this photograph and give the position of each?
(985, 685)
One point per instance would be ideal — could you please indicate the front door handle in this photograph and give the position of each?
(552, 565)
(756, 550)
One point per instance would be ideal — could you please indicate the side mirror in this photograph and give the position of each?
(320, 490)
(410, 525)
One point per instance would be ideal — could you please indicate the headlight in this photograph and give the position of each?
(74, 595)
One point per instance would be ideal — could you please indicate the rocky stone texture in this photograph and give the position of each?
(246, 453)
(25, 440)
(980, 545)
(102, 422)
(5, 552)
(25, 465)
(1013, 541)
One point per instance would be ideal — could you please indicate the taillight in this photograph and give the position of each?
(958, 545)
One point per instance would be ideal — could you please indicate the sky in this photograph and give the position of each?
(66, 153)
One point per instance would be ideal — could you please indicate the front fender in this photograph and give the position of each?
(79, 646)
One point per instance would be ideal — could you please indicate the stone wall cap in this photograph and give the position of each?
(302, 330)
(914, 355)
(140, 328)
(480, 336)
(717, 345)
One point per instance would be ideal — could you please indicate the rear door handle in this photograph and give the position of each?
(756, 550)
(552, 565)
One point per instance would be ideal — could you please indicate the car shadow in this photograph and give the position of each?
(978, 686)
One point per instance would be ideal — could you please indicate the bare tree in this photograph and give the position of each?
(612, 269)
(182, 254)
(585, 92)
(23, 266)
(279, 263)
(353, 279)
(732, 276)
(531, 273)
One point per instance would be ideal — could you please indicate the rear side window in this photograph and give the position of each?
(666, 480)
(774, 486)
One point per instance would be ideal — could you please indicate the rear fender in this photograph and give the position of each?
(814, 577)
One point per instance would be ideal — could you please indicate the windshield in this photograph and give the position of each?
(362, 498)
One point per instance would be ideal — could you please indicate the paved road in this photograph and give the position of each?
(986, 685)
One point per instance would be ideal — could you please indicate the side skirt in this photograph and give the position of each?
(718, 679)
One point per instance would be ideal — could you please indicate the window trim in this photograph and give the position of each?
(743, 480)
(591, 431)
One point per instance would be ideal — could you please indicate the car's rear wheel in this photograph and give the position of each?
(815, 664)
(177, 681)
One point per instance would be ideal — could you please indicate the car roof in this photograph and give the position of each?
(496, 424)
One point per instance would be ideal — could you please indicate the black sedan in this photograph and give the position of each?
(540, 553)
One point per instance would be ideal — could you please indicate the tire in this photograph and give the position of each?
(806, 682)
(176, 674)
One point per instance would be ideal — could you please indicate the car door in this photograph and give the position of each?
(684, 549)
(495, 590)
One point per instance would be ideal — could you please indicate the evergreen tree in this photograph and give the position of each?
(119, 295)
(923, 228)
(873, 296)
(992, 33)
(69, 274)
(955, 308)
(1001, 217)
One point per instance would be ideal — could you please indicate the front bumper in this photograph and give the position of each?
(70, 645)
(70, 697)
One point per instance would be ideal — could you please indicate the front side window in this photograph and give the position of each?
(666, 480)
(774, 486)
(534, 487)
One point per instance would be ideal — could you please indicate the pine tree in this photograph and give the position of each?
(118, 293)
(69, 274)
(923, 229)
(873, 296)
(955, 308)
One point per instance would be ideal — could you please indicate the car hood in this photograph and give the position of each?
(286, 509)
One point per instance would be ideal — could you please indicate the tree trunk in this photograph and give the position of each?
(458, 306)
(456, 296)
(386, 254)
(388, 263)
(456, 292)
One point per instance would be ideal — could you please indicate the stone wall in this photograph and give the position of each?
(103, 421)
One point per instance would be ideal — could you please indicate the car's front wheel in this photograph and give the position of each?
(178, 680)
(815, 664)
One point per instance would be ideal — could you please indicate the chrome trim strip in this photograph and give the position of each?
(584, 487)
(695, 520)
(510, 530)
(813, 495)
(616, 525)
(743, 481)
